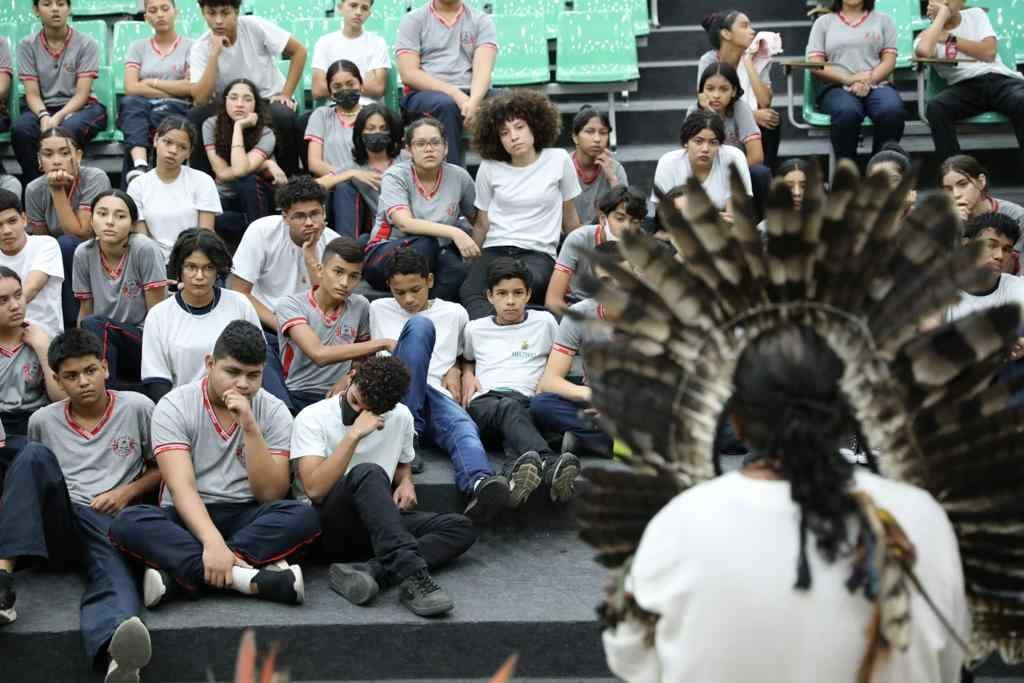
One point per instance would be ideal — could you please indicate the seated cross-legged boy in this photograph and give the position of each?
(222, 447)
(429, 334)
(325, 328)
(505, 355)
(88, 457)
(353, 455)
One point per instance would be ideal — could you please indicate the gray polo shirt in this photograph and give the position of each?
(6, 66)
(446, 50)
(573, 335)
(111, 454)
(22, 385)
(353, 325)
(58, 67)
(185, 420)
(335, 134)
(119, 294)
(570, 259)
(452, 196)
(145, 57)
(265, 144)
(853, 46)
(39, 202)
(740, 128)
(591, 190)
(764, 75)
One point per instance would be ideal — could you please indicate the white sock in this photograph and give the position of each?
(241, 579)
(141, 162)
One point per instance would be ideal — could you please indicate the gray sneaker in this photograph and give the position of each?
(525, 476)
(129, 650)
(354, 582)
(421, 594)
(560, 476)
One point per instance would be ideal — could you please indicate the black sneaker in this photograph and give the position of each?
(423, 596)
(560, 476)
(417, 464)
(136, 172)
(354, 582)
(524, 476)
(285, 587)
(7, 597)
(490, 496)
(130, 649)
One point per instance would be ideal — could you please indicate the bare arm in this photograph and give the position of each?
(319, 85)
(481, 225)
(558, 285)
(155, 295)
(33, 98)
(135, 86)
(202, 91)
(319, 475)
(554, 379)
(483, 67)
(570, 219)
(374, 84)
(296, 54)
(755, 151)
(180, 478)
(328, 354)
(74, 223)
(317, 165)
(83, 91)
(268, 473)
(181, 88)
(39, 342)
(266, 315)
(762, 92)
(884, 68)
(84, 309)
(34, 284)
(831, 74)
(206, 219)
(404, 219)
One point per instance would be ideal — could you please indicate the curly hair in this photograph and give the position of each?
(539, 113)
(299, 188)
(382, 383)
(1000, 224)
(207, 242)
(224, 125)
(242, 341)
(74, 343)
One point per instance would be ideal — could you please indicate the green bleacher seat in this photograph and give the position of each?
(906, 15)
(125, 33)
(386, 28)
(393, 90)
(16, 11)
(193, 27)
(811, 113)
(934, 84)
(388, 9)
(637, 9)
(278, 10)
(1007, 17)
(595, 47)
(284, 65)
(97, 30)
(550, 9)
(103, 90)
(98, 8)
(523, 57)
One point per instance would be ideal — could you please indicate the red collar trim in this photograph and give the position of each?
(46, 46)
(10, 353)
(87, 433)
(992, 202)
(860, 21)
(224, 434)
(156, 48)
(587, 177)
(424, 192)
(462, 10)
(328, 318)
(118, 270)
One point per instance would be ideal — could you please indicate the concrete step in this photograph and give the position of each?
(683, 12)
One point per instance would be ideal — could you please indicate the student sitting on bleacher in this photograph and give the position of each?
(597, 170)
(56, 67)
(37, 261)
(377, 143)
(894, 162)
(730, 35)
(119, 275)
(59, 203)
(425, 203)
(859, 46)
(982, 84)
(446, 51)
(619, 209)
(173, 196)
(367, 50)
(525, 189)
(7, 182)
(966, 181)
(156, 85)
(239, 145)
(247, 47)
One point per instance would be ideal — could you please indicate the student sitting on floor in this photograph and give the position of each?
(119, 276)
(89, 457)
(37, 261)
(505, 356)
(620, 208)
(353, 455)
(429, 334)
(222, 445)
(327, 327)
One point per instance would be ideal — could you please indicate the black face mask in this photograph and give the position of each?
(346, 98)
(348, 413)
(376, 142)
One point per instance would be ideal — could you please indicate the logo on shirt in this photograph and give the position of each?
(240, 454)
(32, 373)
(70, 68)
(453, 210)
(524, 352)
(131, 289)
(344, 334)
(468, 40)
(124, 447)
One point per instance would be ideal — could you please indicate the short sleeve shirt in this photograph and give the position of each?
(452, 195)
(22, 385)
(446, 50)
(41, 254)
(254, 55)
(570, 259)
(573, 335)
(264, 145)
(335, 134)
(369, 52)
(593, 186)
(853, 46)
(6, 66)
(171, 208)
(185, 420)
(145, 57)
(118, 293)
(510, 357)
(58, 67)
(352, 325)
(974, 25)
(111, 454)
(674, 169)
(39, 202)
(740, 128)
(765, 74)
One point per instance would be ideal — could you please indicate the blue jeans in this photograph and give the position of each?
(84, 124)
(138, 116)
(882, 105)
(553, 413)
(443, 108)
(445, 263)
(435, 415)
(68, 302)
(122, 348)
(252, 199)
(346, 206)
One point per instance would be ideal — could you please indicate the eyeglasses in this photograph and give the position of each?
(435, 143)
(192, 269)
(302, 217)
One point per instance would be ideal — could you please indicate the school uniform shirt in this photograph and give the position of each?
(41, 253)
(1009, 289)
(369, 194)
(764, 75)
(674, 169)
(57, 68)
(6, 65)
(319, 429)
(39, 206)
(854, 46)
(510, 357)
(258, 46)
(740, 128)
(178, 337)
(170, 209)
(452, 195)
(524, 205)
(446, 50)
(572, 261)
(185, 420)
(119, 292)
(573, 335)
(335, 134)
(349, 325)
(145, 57)
(974, 25)
(273, 264)
(387, 319)
(369, 52)
(592, 187)
(111, 454)
(22, 385)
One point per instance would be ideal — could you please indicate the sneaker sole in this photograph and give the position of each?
(300, 584)
(355, 586)
(131, 648)
(7, 616)
(153, 588)
(525, 481)
(434, 611)
(489, 501)
(563, 482)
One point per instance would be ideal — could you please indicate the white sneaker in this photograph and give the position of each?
(154, 587)
(130, 650)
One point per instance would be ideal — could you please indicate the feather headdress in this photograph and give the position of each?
(851, 267)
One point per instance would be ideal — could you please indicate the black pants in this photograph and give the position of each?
(361, 521)
(474, 287)
(990, 92)
(286, 130)
(770, 140)
(506, 415)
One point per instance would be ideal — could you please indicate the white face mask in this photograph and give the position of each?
(608, 234)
